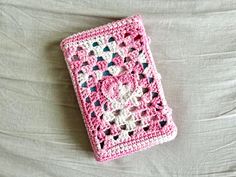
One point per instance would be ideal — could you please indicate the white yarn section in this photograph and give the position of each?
(126, 95)
(125, 116)
(112, 46)
(109, 116)
(123, 135)
(114, 70)
(82, 77)
(106, 56)
(99, 74)
(142, 58)
(122, 53)
(88, 44)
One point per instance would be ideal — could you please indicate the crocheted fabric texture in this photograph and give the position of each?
(118, 88)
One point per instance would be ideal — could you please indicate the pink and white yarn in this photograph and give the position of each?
(118, 88)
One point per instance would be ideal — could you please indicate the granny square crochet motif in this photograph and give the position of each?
(118, 88)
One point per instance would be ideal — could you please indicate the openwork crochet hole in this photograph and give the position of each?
(138, 122)
(163, 123)
(95, 68)
(102, 144)
(127, 34)
(132, 109)
(123, 127)
(107, 132)
(91, 53)
(100, 58)
(127, 59)
(79, 48)
(116, 112)
(131, 49)
(143, 113)
(84, 84)
(97, 103)
(145, 65)
(131, 133)
(146, 128)
(154, 94)
(93, 114)
(111, 39)
(116, 137)
(138, 37)
(75, 58)
(145, 90)
(95, 44)
(112, 122)
(122, 44)
(106, 49)
(93, 89)
(87, 100)
(85, 63)
(141, 76)
(150, 79)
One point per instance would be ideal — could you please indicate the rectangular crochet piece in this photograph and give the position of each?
(118, 88)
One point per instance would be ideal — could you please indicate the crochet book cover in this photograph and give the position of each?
(118, 88)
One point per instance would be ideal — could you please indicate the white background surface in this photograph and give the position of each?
(41, 129)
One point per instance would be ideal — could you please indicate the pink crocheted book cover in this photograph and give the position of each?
(118, 88)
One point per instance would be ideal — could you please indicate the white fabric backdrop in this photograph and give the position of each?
(41, 128)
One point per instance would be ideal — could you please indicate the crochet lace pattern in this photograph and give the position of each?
(118, 88)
